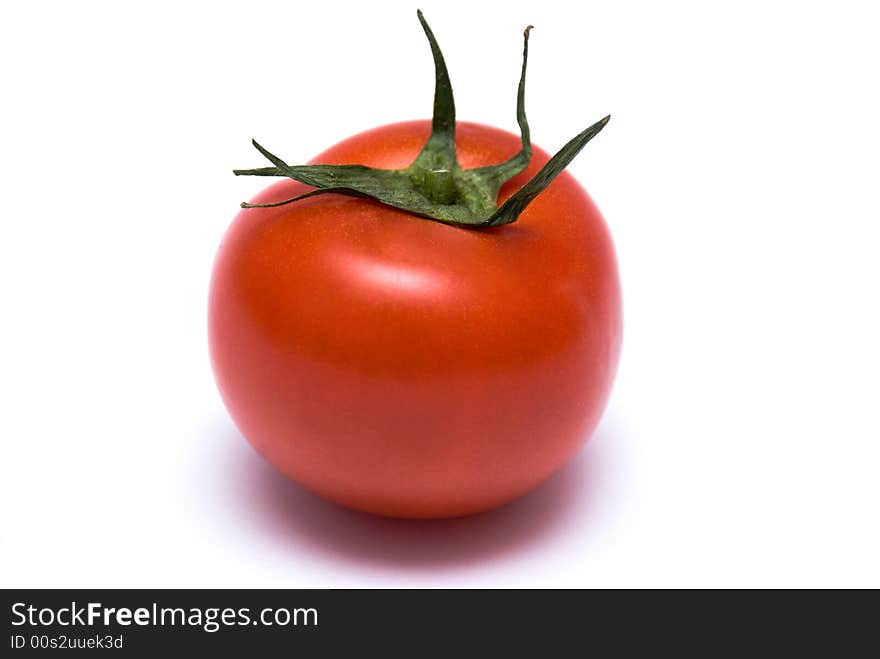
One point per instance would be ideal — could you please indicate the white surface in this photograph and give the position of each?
(739, 176)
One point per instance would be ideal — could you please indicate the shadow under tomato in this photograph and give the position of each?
(302, 520)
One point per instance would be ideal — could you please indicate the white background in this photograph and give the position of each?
(739, 175)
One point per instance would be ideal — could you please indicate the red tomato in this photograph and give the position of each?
(409, 368)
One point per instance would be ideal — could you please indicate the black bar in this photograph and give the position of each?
(415, 622)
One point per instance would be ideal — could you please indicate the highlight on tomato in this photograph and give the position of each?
(424, 321)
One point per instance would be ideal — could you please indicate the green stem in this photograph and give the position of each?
(439, 186)
(439, 151)
(435, 186)
(516, 204)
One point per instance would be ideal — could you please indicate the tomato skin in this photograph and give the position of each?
(408, 368)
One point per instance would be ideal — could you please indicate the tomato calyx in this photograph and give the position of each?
(435, 186)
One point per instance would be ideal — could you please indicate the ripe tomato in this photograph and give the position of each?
(410, 368)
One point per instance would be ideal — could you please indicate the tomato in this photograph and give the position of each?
(411, 368)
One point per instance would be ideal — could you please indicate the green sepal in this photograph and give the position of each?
(434, 186)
